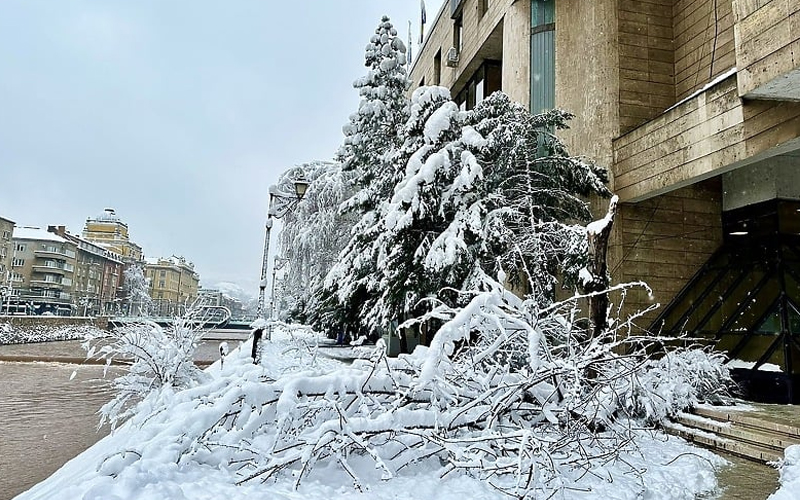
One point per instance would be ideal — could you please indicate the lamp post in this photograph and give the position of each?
(277, 265)
(280, 203)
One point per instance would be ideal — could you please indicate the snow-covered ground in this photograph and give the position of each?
(163, 452)
(790, 476)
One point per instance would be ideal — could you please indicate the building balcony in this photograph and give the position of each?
(46, 295)
(44, 281)
(52, 268)
(707, 134)
(54, 252)
(767, 38)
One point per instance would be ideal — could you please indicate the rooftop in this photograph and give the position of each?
(35, 233)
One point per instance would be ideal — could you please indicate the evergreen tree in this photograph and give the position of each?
(480, 186)
(372, 137)
(375, 129)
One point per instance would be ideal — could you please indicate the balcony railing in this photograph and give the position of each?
(67, 254)
(50, 267)
(51, 280)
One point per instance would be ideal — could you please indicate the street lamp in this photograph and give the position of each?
(277, 265)
(280, 203)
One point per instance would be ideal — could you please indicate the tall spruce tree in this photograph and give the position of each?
(376, 128)
(478, 185)
(372, 137)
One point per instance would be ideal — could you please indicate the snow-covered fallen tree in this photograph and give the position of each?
(507, 392)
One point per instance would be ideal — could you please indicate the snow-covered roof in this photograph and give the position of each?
(35, 233)
(108, 215)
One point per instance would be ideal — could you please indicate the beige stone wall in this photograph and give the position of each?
(706, 136)
(590, 91)
(646, 60)
(704, 46)
(767, 36)
(502, 32)
(664, 241)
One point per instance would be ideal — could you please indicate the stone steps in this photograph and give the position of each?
(735, 432)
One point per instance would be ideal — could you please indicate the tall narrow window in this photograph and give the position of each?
(437, 68)
(543, 55)
(458, 31)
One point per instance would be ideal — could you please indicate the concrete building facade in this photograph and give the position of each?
(43, 272)
(174, 284)
(108, 231)
(98, 273)
(694, 106)
(6, 251)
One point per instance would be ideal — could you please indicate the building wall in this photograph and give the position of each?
(646, 60)
(6, 250)
(112, 235)
(664, 241)
(502, 32)
(47, 270)
(591, 91)
(173, 283)
(704, 45)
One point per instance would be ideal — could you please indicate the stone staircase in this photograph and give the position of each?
(750, 434)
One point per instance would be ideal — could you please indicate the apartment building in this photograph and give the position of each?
(694, 107)
(97, 277)
(174, 284)
(6, 251)
(43, 272)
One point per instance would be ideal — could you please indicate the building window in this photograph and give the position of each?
(437, 68)
(458, 32)
(483, 83)
(163, 273)
(543, 55)
(17, 262)
(20, 247)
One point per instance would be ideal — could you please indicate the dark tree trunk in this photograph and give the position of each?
(598, 235)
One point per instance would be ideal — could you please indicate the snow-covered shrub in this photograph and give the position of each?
(790, 475)
(678, 380)
(152, 357)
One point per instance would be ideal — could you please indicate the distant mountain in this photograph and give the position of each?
(234, 291)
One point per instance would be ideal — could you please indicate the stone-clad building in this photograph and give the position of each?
(694, 105)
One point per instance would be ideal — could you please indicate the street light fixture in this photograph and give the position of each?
(280, 203)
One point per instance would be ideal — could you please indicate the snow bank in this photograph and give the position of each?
(164, 451)
(790, 475)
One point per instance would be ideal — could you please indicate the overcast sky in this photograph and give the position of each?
(178, 114)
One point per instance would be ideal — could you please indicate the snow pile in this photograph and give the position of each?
(43, 333)
(155, 358)
(790, 475)
(511, 414)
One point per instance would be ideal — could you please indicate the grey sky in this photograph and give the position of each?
(179, 114)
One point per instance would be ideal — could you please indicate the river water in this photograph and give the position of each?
(46, 419)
